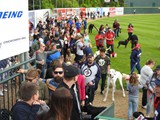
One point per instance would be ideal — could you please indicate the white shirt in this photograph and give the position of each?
(146, 74)
(79, 48)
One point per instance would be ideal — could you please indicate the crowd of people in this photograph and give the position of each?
(54, 44)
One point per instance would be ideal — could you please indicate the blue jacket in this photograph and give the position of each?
(135, 55)
(85, 23)
(51, 84)
(23, 111)
(78, 25)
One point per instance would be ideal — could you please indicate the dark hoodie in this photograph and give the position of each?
(23, 111)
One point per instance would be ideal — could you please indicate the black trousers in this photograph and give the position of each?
(103, 77)
(144, 97)
(90, 90)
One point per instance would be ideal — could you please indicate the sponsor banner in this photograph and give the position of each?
(82, 12)
(41, 15)
(119, 10)
(105, 10)
(14, 28)
(61, 13)
(31, 20)
(100, 10)
(38, 15)
(112, 11)
(69, 11)
(75, 11)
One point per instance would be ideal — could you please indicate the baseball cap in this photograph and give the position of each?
(138, 45)
(56, 34)
(157, 82)
(90, 55)
(70, 71)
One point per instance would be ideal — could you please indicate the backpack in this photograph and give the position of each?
(73, 47)
(5, 114)
(53, 56)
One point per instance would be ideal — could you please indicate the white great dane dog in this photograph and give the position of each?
(112, 78)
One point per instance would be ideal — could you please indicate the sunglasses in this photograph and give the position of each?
(30, 80)
(58, 72)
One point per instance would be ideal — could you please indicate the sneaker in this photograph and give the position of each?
(102, 92)
(144, 107)
(90, 103)
(5, 90)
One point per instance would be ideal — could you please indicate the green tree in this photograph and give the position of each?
(49, 4)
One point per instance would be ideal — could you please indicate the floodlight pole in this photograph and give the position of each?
(33, 4)
(39, 4)
(56, 3)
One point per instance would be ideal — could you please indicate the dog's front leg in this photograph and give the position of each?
(113, 90)
(121, 83)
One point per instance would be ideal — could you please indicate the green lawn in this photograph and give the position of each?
(148, 31)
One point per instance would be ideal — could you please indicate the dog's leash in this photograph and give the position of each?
(133, 68)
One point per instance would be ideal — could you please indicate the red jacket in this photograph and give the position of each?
(98, 37)
(110, 37)
(81, 86)
(130, 29)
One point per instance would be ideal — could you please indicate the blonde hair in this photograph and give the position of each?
(134, 79)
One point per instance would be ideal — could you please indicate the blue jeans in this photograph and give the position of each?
(132, 105)
(133, 66)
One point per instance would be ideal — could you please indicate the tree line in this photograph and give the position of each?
(50, 4)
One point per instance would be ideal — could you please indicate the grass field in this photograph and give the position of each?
(146, 27)
(148, 31)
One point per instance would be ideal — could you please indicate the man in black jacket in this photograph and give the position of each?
(69, 82)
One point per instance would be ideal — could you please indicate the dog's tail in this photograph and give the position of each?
(125, 76)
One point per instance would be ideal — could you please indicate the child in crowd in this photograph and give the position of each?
(133, 91)
(28, 107)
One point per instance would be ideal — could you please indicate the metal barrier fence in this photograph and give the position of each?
(11, 84)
